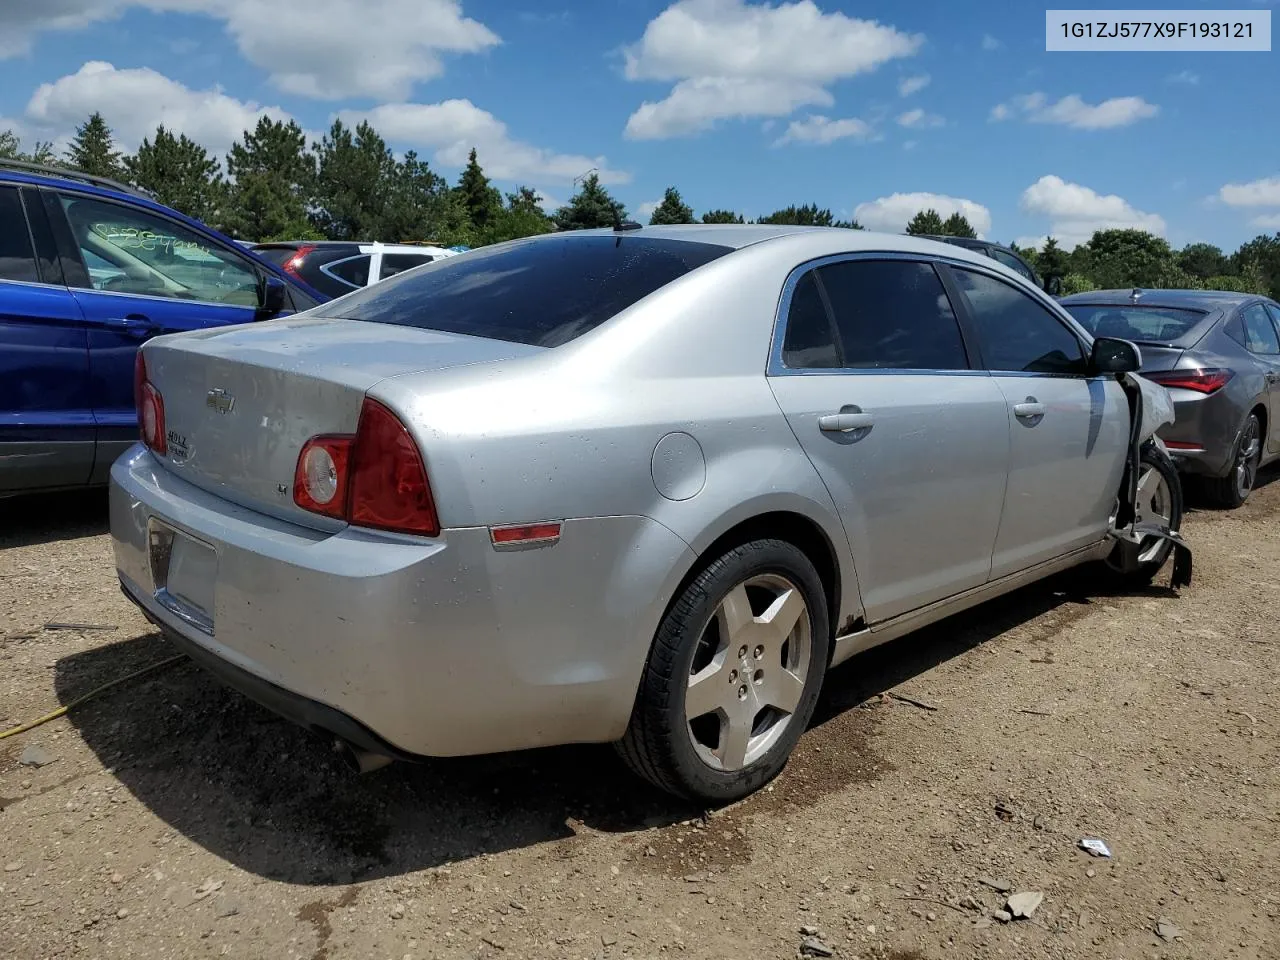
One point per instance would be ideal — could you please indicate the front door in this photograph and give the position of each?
(1261, 326)
(875, 381)
(145, 275)
(1069, 433)
(46, 422)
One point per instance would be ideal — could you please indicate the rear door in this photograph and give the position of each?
(872, 372)
(1263, 341)
(142, 274)
(393, 263)
(1069, 432)
(46, 424)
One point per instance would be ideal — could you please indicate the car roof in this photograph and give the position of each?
(349, 245)
(1187, 299)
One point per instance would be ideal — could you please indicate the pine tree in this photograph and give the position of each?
(522, 217)
(957, 225)
(672, 209)
(926, 223)
(591, 206)
(722, 216)
(93, 149)
(11, 149)
(274, 176)
(180, 173)
(481, 199)
(355, 170)
(1051, 261)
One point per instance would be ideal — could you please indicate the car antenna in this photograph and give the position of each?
(620, 225)
(1135, 295)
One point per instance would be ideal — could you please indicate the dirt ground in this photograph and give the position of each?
(177, 819)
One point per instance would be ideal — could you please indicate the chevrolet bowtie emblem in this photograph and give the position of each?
(218, 399)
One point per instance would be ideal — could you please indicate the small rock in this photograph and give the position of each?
(1091, 873)
(607, 940)
(808, 931)
(122, 913)
(969, 903)
(25, 784)
(1023, 905)
(931, 916)
(1166, 930)
(36, 756)
(694, 878)
(117, 878)
(1004, 916)
(13, 867)
(397, 912)
(1000, 885)
(206, 888)
(613, 871)
(650, 852)
(813, 947)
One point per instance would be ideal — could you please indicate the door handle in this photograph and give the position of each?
(845, 422)
(134, 325)
(1029, 409)
(1273, 377)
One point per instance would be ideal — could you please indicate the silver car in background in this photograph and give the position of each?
(1218, 354)
(640, 485)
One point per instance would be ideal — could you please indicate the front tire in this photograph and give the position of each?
(1231, 491)
(733, 675)
(1160, 503)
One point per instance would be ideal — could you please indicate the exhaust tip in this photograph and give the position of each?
(357, 760)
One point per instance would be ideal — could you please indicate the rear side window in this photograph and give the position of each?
(541, 292)
(1259, 333)
(810, 340)
(393, 263)
(354, 271)
(892, 314)
(1013, 263)
(1017, 333)
(17, 258)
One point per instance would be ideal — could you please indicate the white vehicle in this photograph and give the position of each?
(336, 267)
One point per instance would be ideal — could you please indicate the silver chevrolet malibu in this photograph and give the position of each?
(633, 485)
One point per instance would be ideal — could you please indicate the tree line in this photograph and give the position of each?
(351, 186)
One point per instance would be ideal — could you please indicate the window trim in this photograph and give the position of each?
(31, 240)
(248, 263)
(968, 332)
(1052, 308)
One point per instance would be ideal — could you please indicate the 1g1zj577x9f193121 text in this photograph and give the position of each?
(1154, 31)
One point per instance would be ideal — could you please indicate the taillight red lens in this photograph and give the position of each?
(294, 263)
(1209, 380)
(150, 407)
(320, 478)
(389, 488)
(375, 479)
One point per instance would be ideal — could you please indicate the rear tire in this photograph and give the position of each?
(1231, 491)
(733, 675)
(1159, 498)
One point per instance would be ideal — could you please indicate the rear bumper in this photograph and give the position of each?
(1209, 425)
(409, 646)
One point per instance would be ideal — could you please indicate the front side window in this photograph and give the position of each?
(1259, 334)
(541, 292)
(393, 263)
(17, 257)
(892, 314)
(130, 251)
(1017, 333)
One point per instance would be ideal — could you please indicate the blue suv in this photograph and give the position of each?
(89, 269)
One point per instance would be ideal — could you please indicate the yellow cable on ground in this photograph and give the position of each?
(89, 696)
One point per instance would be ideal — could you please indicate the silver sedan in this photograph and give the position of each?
(642, 485)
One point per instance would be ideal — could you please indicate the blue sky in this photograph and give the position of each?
(872, 109)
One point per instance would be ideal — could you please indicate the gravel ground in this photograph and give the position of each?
(177, 819)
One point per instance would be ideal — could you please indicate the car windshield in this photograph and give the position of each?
(541, 292)
(1129, 322)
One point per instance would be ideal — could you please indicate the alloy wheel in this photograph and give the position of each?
(1247, 458)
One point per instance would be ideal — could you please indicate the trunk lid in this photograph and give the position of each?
(1158, 357)
(240, 402)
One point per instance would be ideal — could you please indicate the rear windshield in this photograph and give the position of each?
(1128, 322)
(276, 255)
(542, 292)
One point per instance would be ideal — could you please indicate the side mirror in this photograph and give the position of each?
(1053, 286)
(1110, 355)
(272, 298)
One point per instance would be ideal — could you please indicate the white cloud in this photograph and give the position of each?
(892, 213)
(1268, 221)
(733, 59)
(1072, 111)
(909, 85)
(453, 127)
(990, 43)
(917, 119)
(1075, 212)
(645, 210)
(135, 101)
(1184, 76)
(331, 50)
(823, 130)
(1256, 193)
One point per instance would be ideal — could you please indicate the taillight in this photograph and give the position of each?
(1209, 380)
(294, 263)
(150, 407)
(375, 479)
